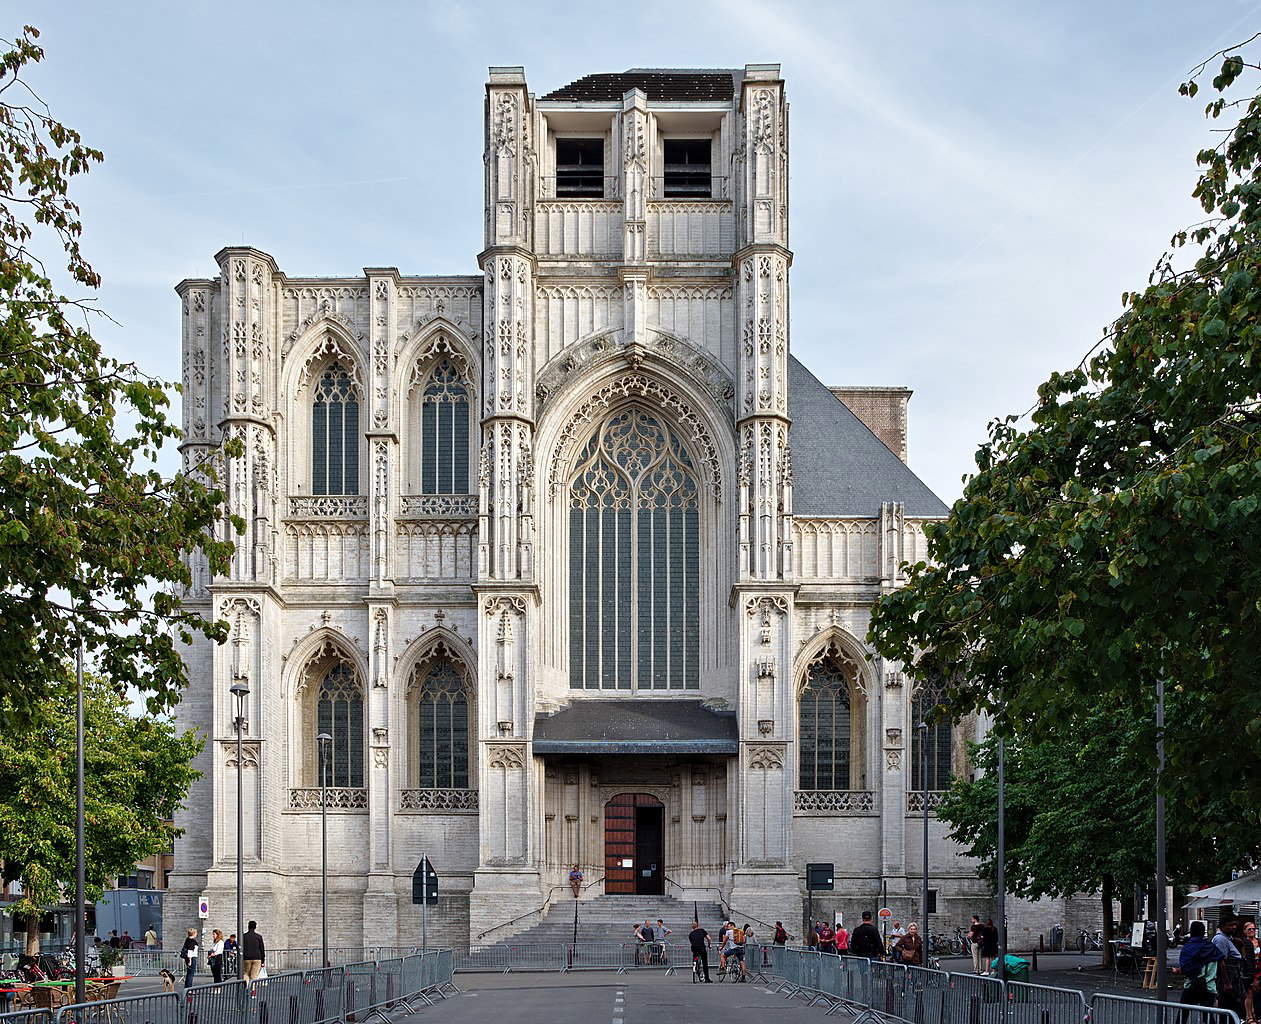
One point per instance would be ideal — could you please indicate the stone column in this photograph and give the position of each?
(765, 879)
(508, 871)
(894, 697)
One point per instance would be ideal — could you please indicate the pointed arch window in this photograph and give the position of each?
(936, 761)
(634, 559)
(825, 725)
(444, 433)
(440, 725)
(339, 713)
(335, 433)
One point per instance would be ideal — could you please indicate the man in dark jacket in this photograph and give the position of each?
(253, 952)
(1197, 953)
(866, 940)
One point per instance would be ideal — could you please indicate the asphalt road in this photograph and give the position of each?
(610, 998)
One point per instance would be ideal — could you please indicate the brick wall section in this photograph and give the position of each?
(883, 412)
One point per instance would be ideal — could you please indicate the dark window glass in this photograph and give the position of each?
(442, 744)
(823, 732)
(340, 714)
(335, 434)
(929, 696)
(687, 168)
(580, 168)
(634, 564)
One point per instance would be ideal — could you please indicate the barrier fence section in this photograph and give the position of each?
(27, 1017)
(331, 995)
(872, 990)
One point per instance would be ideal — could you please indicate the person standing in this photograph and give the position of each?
(910, 948)
(1197, 960)
(253, 952)
(698, 939)
(866, 940)
(125, 941)
(781, 936)
(976, 939)
(827, 939)
(215, 957)
(1252, 973)
(842, 939)
(188, 953)
(575, 880)
(151, 938)
(989, 945)
(895, 935)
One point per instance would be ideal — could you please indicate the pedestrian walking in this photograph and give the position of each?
(1230, 977)
(910, 948)
(976, 939)
(150, 938)
(698, 939)
(866, 940)
(1197, 960)
(188, 953)
(253, 952)
(215, 956)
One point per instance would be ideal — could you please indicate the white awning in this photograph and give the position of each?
(1244, 889)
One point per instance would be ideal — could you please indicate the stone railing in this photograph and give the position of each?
(438, 506)
(582, 227)
(834, 801)
(340, 798)
(438, 800)
(915, 800)
(696, 228)
(328, 506)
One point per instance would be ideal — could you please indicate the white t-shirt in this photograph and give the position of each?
(217, 948)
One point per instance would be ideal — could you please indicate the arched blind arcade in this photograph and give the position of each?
(444, 433)
(634, 559)
(335, 434)
(824, 733)
(339, 713)
(442, 741)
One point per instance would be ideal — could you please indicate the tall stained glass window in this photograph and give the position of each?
(444, 433)
(931, 695)
(335, 434)
(339, 713)
(442, 740)
(634, 559)
(824, 724)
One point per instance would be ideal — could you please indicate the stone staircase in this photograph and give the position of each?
(613, 919)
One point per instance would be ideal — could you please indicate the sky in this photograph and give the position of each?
(973, 185)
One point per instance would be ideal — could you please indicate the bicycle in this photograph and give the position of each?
(696, 968)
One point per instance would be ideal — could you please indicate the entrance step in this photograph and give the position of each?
(613, 919)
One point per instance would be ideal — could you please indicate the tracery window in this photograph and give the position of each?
(339, 713)
(825, 726)
(634, 559)
(440, 724)
(931, 695)
(335, 433)
(444, 433)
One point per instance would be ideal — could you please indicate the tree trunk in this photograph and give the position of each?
(32, 934)
(1108, 926)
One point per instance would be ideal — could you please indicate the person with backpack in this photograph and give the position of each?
(733, 948)
(781, 936)
(1197, 960)
(866, 940)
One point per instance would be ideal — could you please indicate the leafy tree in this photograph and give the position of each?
(1113, 540)
(137, 771)
(1080, 813)
(93, 539)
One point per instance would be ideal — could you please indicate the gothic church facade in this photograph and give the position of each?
(568, 561)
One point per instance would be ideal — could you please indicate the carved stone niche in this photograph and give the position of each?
(893, 736)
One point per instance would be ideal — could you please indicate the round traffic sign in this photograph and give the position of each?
(885, 912)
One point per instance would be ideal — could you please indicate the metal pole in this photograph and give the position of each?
(80, 852)
(575, 921)
(1000, 877)
(240, 690)
(424, 902)
(1162, 980)
(321, 740)
(923, 761)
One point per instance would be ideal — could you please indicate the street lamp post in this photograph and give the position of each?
(323, 740)
(80, 845)
(1162, 979)
(1000, 876)
(240, 690)
(923, 771)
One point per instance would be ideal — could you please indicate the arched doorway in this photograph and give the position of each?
(634, 845)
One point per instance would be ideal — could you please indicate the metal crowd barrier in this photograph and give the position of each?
(27, 1017)
(159, 1008)
(874, 991)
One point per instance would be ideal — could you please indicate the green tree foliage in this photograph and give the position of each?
(1080, 815)
(1114, 540)
(137, 771)
(92, 537)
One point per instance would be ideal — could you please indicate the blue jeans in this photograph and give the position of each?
(192, 970)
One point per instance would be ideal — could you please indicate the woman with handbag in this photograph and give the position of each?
(910, 949)
(188, 953)
(216, 955)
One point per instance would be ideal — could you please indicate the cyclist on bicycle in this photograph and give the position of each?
(733, 949)
(698, 938)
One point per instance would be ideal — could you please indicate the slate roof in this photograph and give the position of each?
(840, 468)
(713, 85)
(637, 727)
